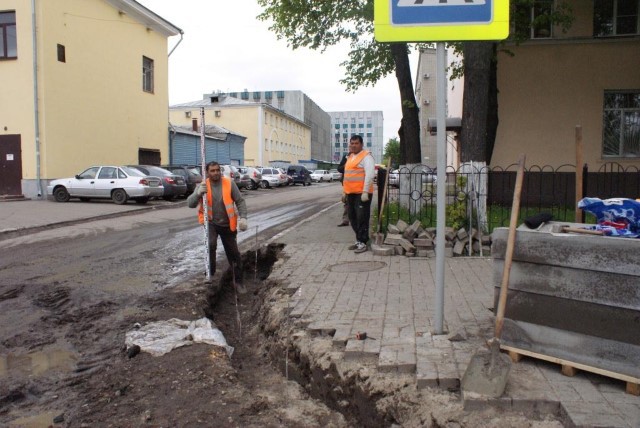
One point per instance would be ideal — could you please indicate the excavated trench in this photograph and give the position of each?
(304, 359)
(353, 388)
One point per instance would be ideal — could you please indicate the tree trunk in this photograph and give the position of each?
(480, 102)
(409, 131)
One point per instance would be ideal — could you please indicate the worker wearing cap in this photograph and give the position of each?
(223, 197)
(357, 183)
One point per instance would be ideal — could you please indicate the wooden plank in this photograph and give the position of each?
(607, 373)
(633, 388)
(579, 178)
(515, 357)
(569, 370)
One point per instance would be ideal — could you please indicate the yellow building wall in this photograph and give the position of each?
(16, 100)
(93, 108)
(283, 138)
(546, 89)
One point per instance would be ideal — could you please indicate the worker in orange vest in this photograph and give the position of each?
(223, 197)
(357, 183)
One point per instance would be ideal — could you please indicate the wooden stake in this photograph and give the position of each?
(579, 178)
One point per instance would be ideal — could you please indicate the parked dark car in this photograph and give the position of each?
(300, 175)
(190, 173)
(174, 185)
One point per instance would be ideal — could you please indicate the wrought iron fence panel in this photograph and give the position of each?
(412, 192)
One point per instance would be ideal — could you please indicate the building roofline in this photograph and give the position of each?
(146, 16)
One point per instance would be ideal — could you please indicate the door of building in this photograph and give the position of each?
(10, 165)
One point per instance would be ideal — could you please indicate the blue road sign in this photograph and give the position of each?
(440, 20)
(417, 12)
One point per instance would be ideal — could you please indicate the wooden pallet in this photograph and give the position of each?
(570, 368)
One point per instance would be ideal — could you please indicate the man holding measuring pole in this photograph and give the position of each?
(227, 212)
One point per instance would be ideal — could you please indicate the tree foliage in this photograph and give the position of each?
(392, 150)
(319, 24)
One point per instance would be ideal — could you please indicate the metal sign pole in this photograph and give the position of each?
(204, 197)
(441, 92)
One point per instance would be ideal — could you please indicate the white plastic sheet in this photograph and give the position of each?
(161, 337)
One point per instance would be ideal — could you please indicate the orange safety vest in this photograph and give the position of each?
(228, 203)
(353, 178)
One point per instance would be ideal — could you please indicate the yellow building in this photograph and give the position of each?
(273, 137)
(587, 76)
(98, 70)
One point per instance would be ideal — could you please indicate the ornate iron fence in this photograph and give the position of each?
(480, 197)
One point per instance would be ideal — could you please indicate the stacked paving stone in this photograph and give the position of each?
(412, 240)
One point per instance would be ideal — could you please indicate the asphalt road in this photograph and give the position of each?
(67, 295)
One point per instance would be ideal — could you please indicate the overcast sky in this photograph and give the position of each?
(226, 48)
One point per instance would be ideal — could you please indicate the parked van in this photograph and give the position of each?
(300, 175)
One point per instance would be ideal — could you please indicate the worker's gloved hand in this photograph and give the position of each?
(202, 189)
(344, 198)
(242, 224)
(364, 197)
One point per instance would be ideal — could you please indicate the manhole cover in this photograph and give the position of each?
(357, 266)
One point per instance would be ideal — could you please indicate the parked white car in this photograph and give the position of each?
(119, 183)
(321, 175)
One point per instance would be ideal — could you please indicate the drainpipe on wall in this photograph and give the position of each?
(260, 139)
(173, 130)
(36, 113)
(179, 41)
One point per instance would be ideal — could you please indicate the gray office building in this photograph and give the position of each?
(368, 124)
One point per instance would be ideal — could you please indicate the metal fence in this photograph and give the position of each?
(481, 196)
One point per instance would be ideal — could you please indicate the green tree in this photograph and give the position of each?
(319, 24)
(392, 150)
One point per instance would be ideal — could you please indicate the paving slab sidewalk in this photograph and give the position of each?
(391, 298)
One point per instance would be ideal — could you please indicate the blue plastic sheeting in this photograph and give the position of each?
(616, 217)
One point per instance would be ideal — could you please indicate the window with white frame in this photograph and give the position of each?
(541, 24)
(147, 74)
(615, 17)
(621, 124)
(8, 39)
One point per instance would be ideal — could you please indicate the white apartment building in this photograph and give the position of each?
(367, 124)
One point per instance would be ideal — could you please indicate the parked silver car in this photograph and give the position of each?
(251, 176)
(119, 183)
(271, 177)
(335, 174)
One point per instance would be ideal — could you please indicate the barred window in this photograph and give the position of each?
(621, 124)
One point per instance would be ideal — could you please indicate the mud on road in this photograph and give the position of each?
(278, 374)
(198, 385)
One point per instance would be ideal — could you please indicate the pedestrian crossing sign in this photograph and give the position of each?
(440, 20)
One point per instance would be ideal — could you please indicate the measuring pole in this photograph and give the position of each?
(441, 150)
(204, 197)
